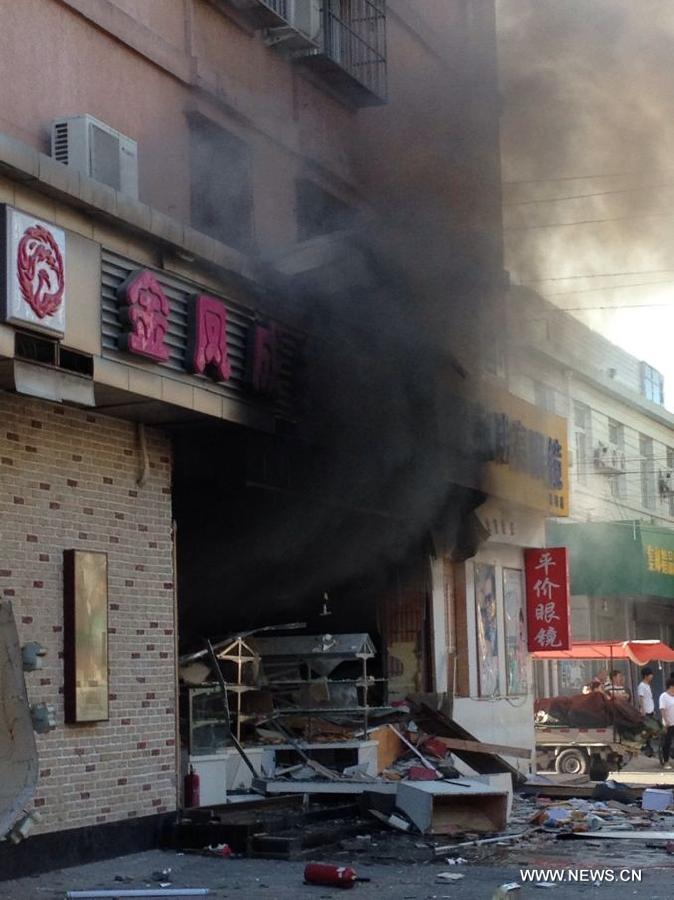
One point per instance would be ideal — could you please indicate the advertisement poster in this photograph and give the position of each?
(487, 630)
(515, 632)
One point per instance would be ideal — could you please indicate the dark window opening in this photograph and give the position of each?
(221, 200)
(73, 361)
(47, 351)
(319, 212)
(35, 349)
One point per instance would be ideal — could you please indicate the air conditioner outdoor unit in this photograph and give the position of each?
(305, 16)
(609, 459)
(98, 151)
(666, 483)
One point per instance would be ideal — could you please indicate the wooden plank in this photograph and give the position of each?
(561, 791)
(568, 791)
(480, 747)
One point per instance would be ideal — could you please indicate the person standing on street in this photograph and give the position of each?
(666, 705)
(647, 708)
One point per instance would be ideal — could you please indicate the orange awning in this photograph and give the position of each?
(639, 652)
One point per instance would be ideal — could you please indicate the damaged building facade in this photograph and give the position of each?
(619, 531)
(247, 291)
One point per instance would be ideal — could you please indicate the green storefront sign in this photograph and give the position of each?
(614, 558)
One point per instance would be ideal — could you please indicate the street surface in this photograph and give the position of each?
(397, 865)
(253, 879)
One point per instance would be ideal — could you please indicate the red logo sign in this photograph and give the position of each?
(145, 312)
(547, 581)
(39, 269)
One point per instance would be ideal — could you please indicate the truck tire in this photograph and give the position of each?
(572, 762)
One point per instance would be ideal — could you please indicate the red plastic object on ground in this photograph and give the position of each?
(330, 876)
(223, 850)
(192, 789)
(433, 747)
(421, 773)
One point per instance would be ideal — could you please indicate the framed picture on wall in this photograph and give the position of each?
(515, 632)
(85, 636)
(486, 621)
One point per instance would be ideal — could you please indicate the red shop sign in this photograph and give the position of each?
(145, 314)
(547, 583)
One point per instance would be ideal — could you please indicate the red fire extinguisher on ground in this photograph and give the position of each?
(331, 876)
(191, 790)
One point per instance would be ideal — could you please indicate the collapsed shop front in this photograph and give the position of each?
(326, 525)
(256, 555)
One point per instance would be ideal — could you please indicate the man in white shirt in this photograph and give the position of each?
(647, 708)
(645, 692)
(667, 712)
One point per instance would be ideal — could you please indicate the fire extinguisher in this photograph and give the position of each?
(191, 791)
(331, 876)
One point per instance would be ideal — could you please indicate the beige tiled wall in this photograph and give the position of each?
(68, 479)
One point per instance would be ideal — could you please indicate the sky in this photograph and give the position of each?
(588, 164)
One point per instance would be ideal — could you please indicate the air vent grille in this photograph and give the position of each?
(60, 142)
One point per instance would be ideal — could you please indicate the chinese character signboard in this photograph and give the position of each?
(35, 273)
(199, 333)
(547, 583)
(526, 451)
(659, 559)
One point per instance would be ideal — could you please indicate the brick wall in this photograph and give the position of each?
(68, 479)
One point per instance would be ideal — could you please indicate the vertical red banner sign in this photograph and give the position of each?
(547, 583)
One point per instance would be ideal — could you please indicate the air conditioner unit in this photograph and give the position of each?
(306, 16)
(609, 459)
(98, 151)
(666, 483)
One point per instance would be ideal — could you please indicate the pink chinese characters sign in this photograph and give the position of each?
(208, 338)
(144, 310)
(547, 583)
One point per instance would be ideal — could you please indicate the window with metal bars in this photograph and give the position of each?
(355, 38)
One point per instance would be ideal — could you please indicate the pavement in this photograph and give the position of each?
(261, 879)
(642, 770)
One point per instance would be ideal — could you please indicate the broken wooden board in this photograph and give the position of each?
(559, 791)
(580, 790)
(434, 722)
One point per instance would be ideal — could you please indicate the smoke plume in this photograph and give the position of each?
(589, 109)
